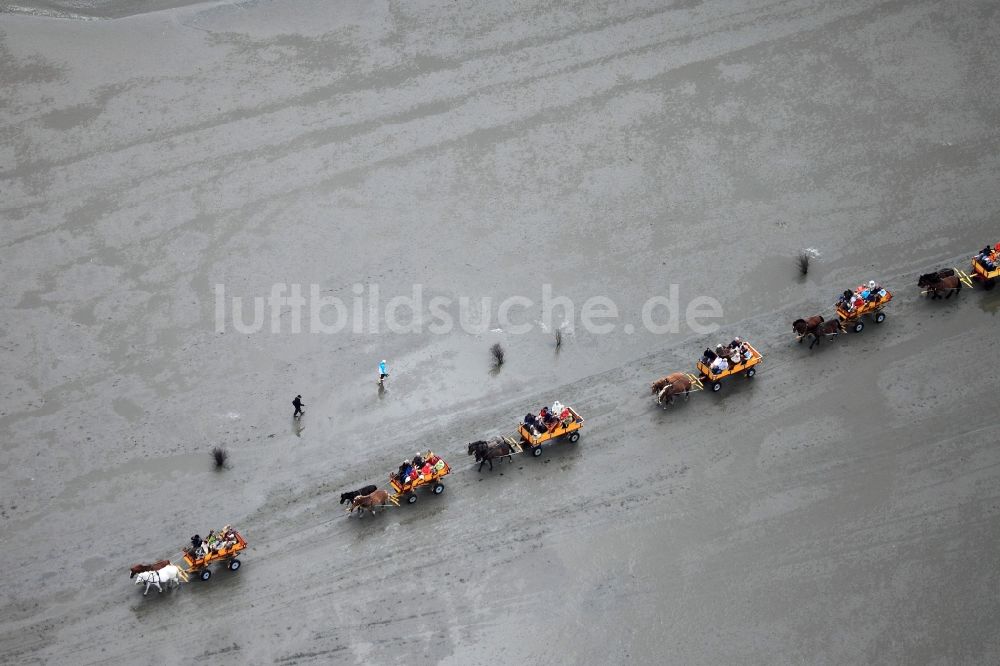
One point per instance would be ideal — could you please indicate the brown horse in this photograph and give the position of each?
(943, 281)
(370, 502)
(804, 327)
(673, 384)
(155, 566)
(817, 327)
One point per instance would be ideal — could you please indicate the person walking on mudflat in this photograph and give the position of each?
(298, 405)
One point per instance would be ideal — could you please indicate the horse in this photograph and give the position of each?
(170, 574)
(940, 282)
(667, 387)
(816, 327)
(347, 497)
(370, 501)
(139, 568)
(830, 329)
(803, 327)
(485, 452)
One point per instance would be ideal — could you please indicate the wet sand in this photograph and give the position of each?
(841, 507)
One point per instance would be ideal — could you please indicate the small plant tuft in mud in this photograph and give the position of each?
(803, 262)
(497, 353)
(220, 456)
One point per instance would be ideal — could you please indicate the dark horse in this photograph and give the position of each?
(485, 452)
(348, 497)
(817, 327)
(943, 281)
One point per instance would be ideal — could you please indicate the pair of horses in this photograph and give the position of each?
(371, 501)
(673, 384)
(369, 497)
(142, 568)
(154, 574)
(817, 327)
(940, 282)
(349, 497)
(486, 452)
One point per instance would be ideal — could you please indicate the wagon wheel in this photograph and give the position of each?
(879, 317)
(574, 437)
(751, 372)
(438, 488)
(411, 498)
(716, 386)
(205, 574)
(859, 326)
(537, 451)
(989, 283)
(234, 564)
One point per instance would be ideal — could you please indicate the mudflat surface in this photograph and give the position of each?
(841, 507)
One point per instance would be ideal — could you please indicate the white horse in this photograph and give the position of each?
(170, 574)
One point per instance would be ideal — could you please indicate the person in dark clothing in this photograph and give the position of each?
(986, 258)
(531, 423)
(298, 405)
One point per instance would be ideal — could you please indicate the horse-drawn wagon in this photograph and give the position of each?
(852, 308)
(405, 486)
(531, 436)
(747, 365)
(199, 558)
(552, 423)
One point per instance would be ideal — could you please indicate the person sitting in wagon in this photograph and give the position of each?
(734, 352)
(435, 461)
(735, 357)
(988, 258)
(195, 549)
(533, 425)
(228, 537)
(869, 293)
(404, 473)
(548, 420)
(707, 356)
(551, 420)
(719, 365)
(562, 413)
(213, 542)
(845, 300)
